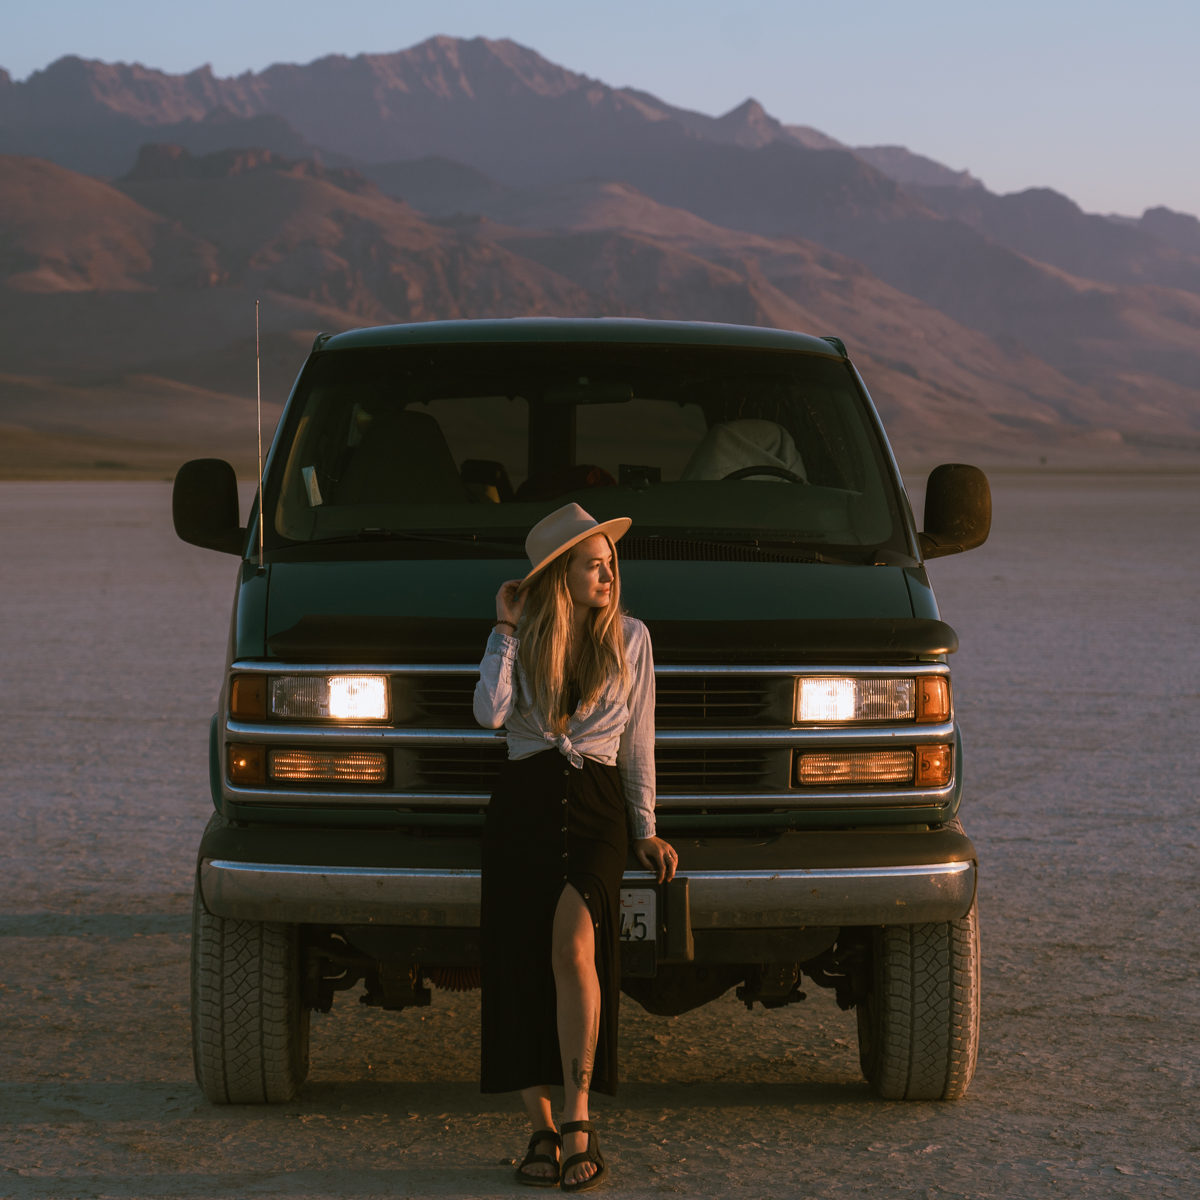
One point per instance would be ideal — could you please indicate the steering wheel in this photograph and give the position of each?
(764, 469)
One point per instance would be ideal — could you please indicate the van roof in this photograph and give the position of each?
(616, 330)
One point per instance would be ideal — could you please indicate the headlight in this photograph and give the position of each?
(309, 697)
(848, 699)
(358, 697)
(330, 697)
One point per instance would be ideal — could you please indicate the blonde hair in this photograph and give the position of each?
(548, 648)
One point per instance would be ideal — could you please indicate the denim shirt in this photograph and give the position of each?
(616, 730)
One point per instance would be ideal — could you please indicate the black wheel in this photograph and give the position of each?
(249, 1026)
(764, 469)
(918, 1031)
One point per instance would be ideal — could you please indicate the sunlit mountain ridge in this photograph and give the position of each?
(142, 213)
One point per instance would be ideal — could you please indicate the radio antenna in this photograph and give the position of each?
(258, 388)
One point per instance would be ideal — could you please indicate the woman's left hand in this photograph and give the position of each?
(657, 856)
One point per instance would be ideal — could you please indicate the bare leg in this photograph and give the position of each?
(573, 952)
(541, 1116)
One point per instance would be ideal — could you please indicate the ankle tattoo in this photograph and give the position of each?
(581, 1076)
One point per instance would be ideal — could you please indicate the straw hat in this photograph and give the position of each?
(563, 528)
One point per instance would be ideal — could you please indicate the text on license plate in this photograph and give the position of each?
(639, 914)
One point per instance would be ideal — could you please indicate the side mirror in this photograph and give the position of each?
(958, 510)
(204, 506)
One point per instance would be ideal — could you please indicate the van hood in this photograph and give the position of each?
(441, 610)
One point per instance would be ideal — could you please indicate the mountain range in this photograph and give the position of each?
(143, 213)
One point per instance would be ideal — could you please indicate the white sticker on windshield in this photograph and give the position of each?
(312, 487)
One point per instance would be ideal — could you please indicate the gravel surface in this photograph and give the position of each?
(1077, 688)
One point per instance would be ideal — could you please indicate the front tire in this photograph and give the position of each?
(918, 1029)
(249, 1024)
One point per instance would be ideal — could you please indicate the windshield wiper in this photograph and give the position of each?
(444, 537)
(850, 556)
(768, 548)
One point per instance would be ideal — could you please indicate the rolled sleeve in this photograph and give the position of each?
(635, 754)
(495, 691)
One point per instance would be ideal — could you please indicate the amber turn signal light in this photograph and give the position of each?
(933, 699)
(935, 765)
(248, 697)
(247, 765)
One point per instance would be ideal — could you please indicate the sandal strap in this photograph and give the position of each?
(537, 1158)
(586, 1157)
(546, 1135)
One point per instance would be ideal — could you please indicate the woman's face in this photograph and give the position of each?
(590, 572)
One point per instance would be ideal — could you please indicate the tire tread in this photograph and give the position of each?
(919, 1034)
(249, 1028)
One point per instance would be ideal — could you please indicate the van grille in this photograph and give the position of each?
(693, 701)
(684, 701)
(702, 769)
(439, 701)
(682, 770)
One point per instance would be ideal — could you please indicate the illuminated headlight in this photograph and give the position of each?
(358, 697)
(847, 699)
(330, 697)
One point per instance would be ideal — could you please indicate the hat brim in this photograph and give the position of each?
(614, 529)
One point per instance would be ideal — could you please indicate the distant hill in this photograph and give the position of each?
(1043, 224)
(902, 165)
(144, 212)
(65, 232)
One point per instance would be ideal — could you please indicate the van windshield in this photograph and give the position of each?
(701, 446)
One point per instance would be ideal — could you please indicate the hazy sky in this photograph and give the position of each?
(1095, 98)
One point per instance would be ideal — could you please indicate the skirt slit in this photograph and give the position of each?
(548, 826)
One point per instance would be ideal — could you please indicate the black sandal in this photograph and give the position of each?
(591, 1154)
(542, 1135)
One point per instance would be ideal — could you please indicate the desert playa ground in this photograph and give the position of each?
(1076, 685)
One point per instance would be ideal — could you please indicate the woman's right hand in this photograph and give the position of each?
(509, 603)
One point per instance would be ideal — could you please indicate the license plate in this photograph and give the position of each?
(639, 914)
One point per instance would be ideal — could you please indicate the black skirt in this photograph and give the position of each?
(549, 826)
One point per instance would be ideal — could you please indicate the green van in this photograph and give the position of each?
(810, 768)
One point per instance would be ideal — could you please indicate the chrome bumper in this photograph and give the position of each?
(895, 895)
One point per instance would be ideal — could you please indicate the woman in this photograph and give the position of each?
(571, 678)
